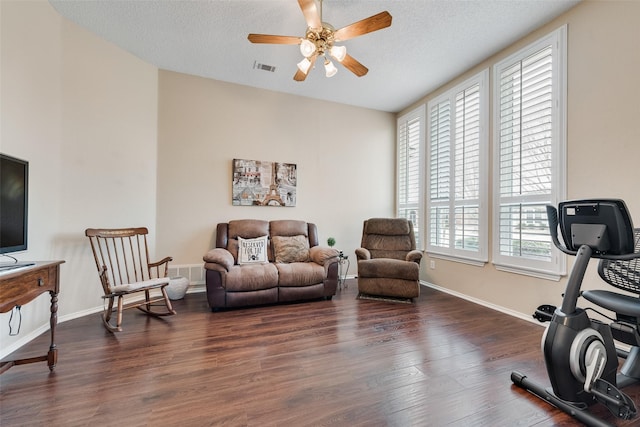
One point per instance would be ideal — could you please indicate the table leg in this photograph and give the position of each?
(52, 355)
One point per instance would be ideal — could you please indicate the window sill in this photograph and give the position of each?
(468, 261)
(546, 275)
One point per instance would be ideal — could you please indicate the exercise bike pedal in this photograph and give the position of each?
(618, 403)
(544, 313)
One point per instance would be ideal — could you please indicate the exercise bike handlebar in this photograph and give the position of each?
(552, 217)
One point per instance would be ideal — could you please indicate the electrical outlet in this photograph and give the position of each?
(432, 264)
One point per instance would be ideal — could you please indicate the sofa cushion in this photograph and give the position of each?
(289, 227)
(251, 277)
(252, 251)
(300, 274)
(290, 249)
(248, 228)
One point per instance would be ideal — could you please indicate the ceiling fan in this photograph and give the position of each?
(320, 38)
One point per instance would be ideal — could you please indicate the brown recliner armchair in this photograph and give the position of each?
(388, 262)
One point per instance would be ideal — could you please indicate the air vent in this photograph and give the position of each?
(265, 67)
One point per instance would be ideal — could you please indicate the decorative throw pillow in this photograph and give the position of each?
(252, 251)
(291, 248)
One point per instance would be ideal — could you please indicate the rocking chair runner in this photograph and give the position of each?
(122, 260)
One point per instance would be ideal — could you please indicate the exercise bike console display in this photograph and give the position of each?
(603, 225)
(579, 352)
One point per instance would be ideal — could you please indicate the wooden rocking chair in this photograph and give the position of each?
(122, 260)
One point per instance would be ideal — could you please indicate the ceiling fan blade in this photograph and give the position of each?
(268, 38)
(300, 76)
(310, 12)
(354, 66)
(367, 25)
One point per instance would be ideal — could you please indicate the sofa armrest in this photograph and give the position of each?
(219, 256)
(415, 255)
(321, 255)
(363, 253)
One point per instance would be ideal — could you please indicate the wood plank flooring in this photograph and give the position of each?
(442, 361)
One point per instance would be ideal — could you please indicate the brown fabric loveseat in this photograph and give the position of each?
(259, 262)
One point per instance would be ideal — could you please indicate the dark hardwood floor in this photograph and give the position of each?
(439, 362)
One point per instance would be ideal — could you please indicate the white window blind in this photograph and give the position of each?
(457, 158)
(529, 156)
(409, 169)
(439, 174)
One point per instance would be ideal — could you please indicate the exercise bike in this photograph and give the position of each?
(579, 352)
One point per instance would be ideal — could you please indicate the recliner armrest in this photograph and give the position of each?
(363, 253)
(415, 256)
(221, 257)
(320, 254)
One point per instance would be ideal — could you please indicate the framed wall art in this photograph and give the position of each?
(261, 183)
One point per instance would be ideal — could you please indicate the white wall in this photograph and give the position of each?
(84, 114)
(345, 160)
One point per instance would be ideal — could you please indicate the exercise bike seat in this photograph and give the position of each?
(625, 275)
(622, 304)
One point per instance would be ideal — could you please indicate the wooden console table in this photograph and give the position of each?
(23, 285)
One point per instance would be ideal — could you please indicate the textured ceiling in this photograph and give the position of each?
(429, 41)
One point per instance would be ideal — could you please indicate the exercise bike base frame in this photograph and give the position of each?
(577, 411)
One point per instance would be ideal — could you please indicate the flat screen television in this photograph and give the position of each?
(14, 195)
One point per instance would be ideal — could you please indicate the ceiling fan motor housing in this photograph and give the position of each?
(322, 38)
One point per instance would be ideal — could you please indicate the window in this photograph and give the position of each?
(529, 156)
(457, 172)
(409, 170)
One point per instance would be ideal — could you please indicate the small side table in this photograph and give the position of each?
(342, 271)
(24, 285)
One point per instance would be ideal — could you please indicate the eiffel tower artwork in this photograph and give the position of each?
(263, 183)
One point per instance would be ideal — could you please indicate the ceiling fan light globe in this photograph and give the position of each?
(330, 69)
(338, 52)
(307, 48)
(304, 65)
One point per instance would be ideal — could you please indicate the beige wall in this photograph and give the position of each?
(113, 142)
(345, 158)
(84, 114)
(603, 148)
